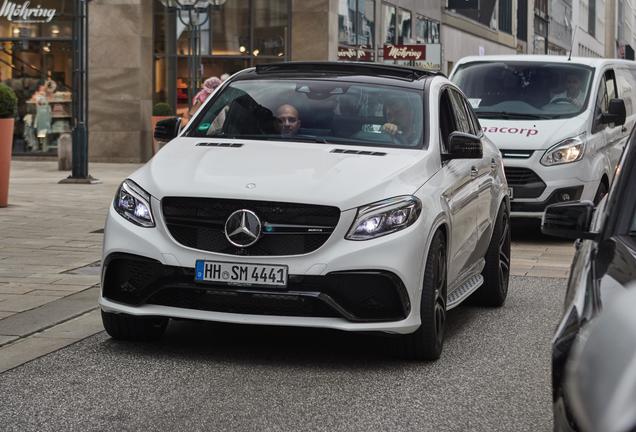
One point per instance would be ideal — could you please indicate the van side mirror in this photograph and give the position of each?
(616, 113)
(570, 220)
(167, 129)
(463, 146)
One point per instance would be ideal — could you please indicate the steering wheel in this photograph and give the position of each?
(563, 99)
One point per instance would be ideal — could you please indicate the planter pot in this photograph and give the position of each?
(155, 119)
(6, 144)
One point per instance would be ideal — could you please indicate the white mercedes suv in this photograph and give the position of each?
(334, 195)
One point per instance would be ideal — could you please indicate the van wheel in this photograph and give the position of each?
(601, 192)
(427, 341)
(130, 327)
(496, 272)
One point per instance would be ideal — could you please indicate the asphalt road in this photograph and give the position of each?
(493, 376)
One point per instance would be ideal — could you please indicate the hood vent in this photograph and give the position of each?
(217, 144)
(358, 152)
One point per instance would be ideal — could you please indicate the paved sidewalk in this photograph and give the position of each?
(48, 235)
(50, 243)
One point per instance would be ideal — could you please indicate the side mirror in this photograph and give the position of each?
(463, 146)
(167, 129)
(570, 220)
(616, 113)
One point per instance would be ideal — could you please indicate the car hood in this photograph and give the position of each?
(531, 134)
(285, 171)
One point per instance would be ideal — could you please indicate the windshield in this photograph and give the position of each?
(525, 89)
(321, 111)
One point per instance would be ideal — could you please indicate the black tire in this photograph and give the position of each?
(496, 272)
(130, 327)
(427, 341)
(600, 192)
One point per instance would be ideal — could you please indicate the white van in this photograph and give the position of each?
(561, 124)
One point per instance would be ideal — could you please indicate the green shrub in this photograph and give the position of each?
(162, 109)
(8, 102)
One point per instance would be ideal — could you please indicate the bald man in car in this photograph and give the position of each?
(288, 120)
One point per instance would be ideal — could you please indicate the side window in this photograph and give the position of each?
(474, 122)
(447, 119)
(464, 123)
(625, 83)
(610, 84)
(602, 105)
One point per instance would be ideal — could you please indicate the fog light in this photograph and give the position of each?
(565, 197)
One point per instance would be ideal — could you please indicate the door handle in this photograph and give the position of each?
(473, 172)
(623, 129)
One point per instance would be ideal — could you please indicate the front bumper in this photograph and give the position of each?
(357, 296)
(548, 185)
(348, 285)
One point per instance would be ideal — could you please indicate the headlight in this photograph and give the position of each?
(384, 217)
(567, 151)
(133, 203)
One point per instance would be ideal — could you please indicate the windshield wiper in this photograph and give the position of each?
(511, 115)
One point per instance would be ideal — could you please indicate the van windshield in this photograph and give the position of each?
(523, 90)
(319, 111)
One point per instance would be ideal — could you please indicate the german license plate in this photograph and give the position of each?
(511, 193)
(241, 274)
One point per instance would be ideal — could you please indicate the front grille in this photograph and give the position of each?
(526, 183)
(520, 176)
(199, 223)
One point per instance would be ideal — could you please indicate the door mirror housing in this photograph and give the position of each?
(616, 113)
(463, 146)
(570, 220)
(167, 129)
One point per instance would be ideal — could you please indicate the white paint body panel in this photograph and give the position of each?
(309, 173)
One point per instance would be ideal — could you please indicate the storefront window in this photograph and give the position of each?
(346, 18)
(366, 28)
(404, 27)
(36, 61)
(231, 29)
(356, 23)
(270, 28)
(388, 24)
(427, 31)
(239, 34)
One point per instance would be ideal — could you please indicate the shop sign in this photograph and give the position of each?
(24, 13)
(347, 53)
(405, 52)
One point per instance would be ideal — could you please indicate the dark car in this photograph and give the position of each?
(603, 267)
(600, 376)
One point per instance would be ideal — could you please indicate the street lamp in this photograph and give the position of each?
(79, 173)
(194, 14)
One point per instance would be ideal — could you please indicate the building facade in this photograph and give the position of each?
(141, 51)
(483, 27)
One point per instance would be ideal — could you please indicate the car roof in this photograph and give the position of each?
(371, 73)
(586, 61)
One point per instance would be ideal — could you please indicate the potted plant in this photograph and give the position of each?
(8, 104)
(160, 111)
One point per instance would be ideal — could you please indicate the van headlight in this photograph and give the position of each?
(567, 151)
(133, 203)
(384, 217)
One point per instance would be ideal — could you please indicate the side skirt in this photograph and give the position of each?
(469, 285)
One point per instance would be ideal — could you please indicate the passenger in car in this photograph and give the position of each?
(288, 120)
(399, 120)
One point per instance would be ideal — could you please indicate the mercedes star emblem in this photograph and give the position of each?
(243, 228)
